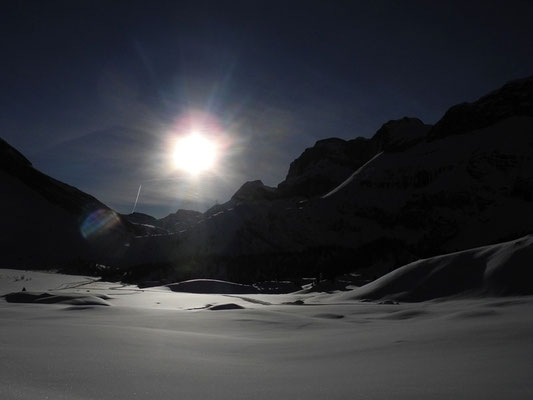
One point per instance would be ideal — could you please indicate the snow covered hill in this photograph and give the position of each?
(502, 269)
(88, 339)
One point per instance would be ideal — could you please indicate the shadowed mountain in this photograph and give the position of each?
(47, 223)
(140, 218)
(180, 220)
(409, 192)
(372, 204)
(513, 99)
(146, 225)
(330, 161)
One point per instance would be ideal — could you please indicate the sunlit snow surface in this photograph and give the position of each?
(159, 344)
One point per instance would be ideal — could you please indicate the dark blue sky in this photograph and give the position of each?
(90, 88)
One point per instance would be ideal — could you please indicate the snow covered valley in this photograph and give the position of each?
(159, 344)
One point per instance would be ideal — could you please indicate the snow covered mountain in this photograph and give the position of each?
(49, 224)
(411, 191)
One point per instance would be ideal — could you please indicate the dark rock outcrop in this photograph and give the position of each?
(254, 190)
(141, 218)
(180, 220)
(330, 161)
(513, 99)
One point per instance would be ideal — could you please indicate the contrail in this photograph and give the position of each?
(137, 198)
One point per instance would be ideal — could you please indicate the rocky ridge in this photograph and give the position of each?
(411, 191)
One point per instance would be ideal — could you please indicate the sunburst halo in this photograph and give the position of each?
(195, 153)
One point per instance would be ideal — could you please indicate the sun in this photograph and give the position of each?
(195, 153)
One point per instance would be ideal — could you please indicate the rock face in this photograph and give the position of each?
(254, 190)
(325, 165)
(180, 220)
(513, 99)
(46, 223)
(330, 161)
(400, 134)
(146, 225)
(141, 218)
(409, 192)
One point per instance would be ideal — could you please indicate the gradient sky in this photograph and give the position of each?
(93, 91)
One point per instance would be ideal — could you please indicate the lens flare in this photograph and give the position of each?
(98, 222)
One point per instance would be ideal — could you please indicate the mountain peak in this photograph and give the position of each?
(254, 190)
(512, 99)
(330, 161)
(398, 134)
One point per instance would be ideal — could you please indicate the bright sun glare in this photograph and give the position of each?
(195, 153)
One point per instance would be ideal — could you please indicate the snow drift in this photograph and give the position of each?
(57, 298)
(498, 270)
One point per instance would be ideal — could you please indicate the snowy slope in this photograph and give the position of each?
(158, 344)
(495, 270)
